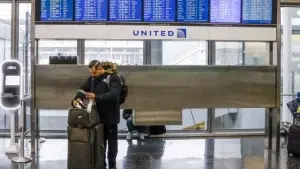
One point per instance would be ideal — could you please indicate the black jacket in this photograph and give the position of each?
(107, 97)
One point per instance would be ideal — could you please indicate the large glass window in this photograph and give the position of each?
(229, 53)
(187, 53)
(5, 31)
(49, 48)
(120, 52)
(238, 53)
(5, 50)
(184, 53)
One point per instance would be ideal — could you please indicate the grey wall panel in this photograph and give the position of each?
(159, 117)
(167, 87)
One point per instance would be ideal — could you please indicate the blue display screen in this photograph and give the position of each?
(257, 11)
(192, 10)
(56, 10)
(125, 10)
(91, 10)
(225, 11)
(159, 10)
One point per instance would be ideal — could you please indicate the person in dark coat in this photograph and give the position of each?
(106, 94)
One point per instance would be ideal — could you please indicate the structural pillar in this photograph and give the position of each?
(81, 51)
(14, 30)
(286, 64)
(153, 52)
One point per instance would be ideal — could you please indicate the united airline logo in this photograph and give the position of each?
(181, 33)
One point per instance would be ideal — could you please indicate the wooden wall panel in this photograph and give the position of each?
(154, 88)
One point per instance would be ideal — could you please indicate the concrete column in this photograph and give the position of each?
(80, 51)
(156, 52)
(153, 52)
(286, 63)
(14, 30)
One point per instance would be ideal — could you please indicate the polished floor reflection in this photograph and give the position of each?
(210, 153)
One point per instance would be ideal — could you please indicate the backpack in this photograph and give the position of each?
(124, 90)
(157, 130)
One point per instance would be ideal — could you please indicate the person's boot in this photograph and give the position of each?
(141, 136)
(105, 165)
(112, 165)
(129, 136)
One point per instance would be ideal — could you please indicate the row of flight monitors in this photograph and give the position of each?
(63, 60)
(190, 11)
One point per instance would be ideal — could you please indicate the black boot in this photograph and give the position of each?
(112, 164)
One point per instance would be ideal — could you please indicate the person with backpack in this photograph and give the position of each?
(105, 87)
(141, 130)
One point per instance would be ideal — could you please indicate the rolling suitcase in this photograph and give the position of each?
(293, 143)
(85, 139)
(293, 135)
(86, 147)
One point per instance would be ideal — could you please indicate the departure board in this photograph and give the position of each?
(91, 10)
(125, 10)
(192, 10)
(159, 10)
(56, 10)
(257, 11)
(225, 11)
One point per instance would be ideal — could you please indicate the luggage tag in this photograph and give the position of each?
(90, 106)
(78, 104)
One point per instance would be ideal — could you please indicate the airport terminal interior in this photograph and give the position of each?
(202, 138)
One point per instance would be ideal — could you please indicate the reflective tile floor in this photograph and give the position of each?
(213, 153)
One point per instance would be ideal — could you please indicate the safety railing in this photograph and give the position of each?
(21, 158)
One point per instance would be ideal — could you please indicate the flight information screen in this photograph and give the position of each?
(125, 10)
(159, 10)
(192, 10)
(91, 10)
(225, 11)
(257, 11)
(56, 10)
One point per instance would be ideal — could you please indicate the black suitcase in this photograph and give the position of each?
(157, 130)
(293, 144)
(86, 147)
(74, 60)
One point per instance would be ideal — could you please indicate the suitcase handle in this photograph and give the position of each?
(80, 104)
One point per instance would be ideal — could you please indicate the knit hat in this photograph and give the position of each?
(109, 67)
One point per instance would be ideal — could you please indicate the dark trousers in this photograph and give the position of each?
(131, 127)
(111, 139)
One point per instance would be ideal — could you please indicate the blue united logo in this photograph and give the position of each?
(181, 33)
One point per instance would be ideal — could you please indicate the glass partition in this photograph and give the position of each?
(24, 42)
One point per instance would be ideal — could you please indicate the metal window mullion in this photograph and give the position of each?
(211, 60)
(81, 51)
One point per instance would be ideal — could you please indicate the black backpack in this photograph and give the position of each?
(124, 90)
(157, 130)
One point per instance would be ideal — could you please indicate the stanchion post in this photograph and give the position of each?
(13, 147)
(21, 158)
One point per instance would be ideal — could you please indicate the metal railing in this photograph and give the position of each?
(21, 158)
